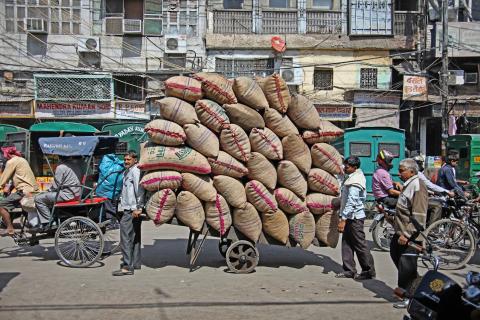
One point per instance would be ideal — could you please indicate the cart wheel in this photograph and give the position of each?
(111, 237)
(223, 246)
(242, 257)
(79, 242)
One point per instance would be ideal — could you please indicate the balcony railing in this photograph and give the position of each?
(406, 23)
(278, 22)
(326, 22)
(232, 21)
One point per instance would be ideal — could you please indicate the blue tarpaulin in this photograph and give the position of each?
(78, 146)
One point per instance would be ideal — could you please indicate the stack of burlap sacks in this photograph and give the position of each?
(244, 153)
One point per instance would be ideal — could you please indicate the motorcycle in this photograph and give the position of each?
(437, 296)
(381, 229)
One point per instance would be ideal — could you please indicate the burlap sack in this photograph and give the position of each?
(177, 110)
(248, 222)
(244, 116)
(295, 150)
(327, 132)
(302, 228)
(276, 225)
(321, 181)
(232, 190)
(260, 197)
(326, 229)
(235, 142)
(267, 143)
(166, 133)
(326, 157)
(185, 88)
(216, 87)
(291, 178)
(261, 169)
(319, 203)
(277, 93)
(201, 186)
(183, 159)
(217, 214)
(227, 165)
(211, 115)
(289, 202)
(154, 181)
(190, 211)
(303, 113)
(161, 206)
(202, 139)
(279, 123)
(250, 93)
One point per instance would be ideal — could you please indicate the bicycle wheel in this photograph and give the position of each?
(382, 235)
(452, 241)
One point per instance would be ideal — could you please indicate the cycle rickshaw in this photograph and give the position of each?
(82, 231)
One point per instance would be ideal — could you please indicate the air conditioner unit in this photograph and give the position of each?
(132, 26)
(35, 25)
(471, 77)
(176, 44)
(455, 77)
(292, 75)
(88, 44)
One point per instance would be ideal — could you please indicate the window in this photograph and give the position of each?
(368, 78)
(233, 4)
(322, 4)
(129, 87)
(233, 68)
(323, 79)
(372, 17)
(393, 148)
(360, 149)
(278, 3)
(182, 18)
(174, 60)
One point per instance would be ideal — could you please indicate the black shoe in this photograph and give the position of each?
(345, 275)
(122, 272)
(402, 304)
(41, 228)
(364, 276)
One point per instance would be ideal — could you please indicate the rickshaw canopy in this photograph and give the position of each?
(72, 127)
(78, 146)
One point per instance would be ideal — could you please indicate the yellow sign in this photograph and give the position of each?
(44, 182)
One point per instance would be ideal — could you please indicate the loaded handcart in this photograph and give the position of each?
(82, 231)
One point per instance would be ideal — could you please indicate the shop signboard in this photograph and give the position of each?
(131, 110)
(334, 112)
(415, 88)
(74, 110)
(16, 109)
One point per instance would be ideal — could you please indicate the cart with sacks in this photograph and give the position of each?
(82, 230)
(244, 161)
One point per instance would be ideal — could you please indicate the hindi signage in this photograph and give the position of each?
(415, 88)
(334, 112)
(132, 110)
(74, 110)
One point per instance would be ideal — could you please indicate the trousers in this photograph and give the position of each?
(406, 265)
(354, 242)
(130, 240)
(44, 203)
(434, 210)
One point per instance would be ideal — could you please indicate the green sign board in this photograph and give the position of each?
(130, 135)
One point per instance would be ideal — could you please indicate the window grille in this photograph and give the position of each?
(323, 79)
(368, 78)
(232, 68)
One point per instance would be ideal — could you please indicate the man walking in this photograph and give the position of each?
(352, 218)
(17, 169)
(412, 204)
(130, 223)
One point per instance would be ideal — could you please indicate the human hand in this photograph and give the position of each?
(451, 194)
(341, 225)
(402, 240)
(6, 190)
(136, 213)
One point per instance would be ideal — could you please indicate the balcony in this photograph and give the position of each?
(279, 22)
(232, 21)
(406, 23)
(324, 22)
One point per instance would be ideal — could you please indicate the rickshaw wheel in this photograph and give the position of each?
(79, 242)
(223, 246)
(111, 237)
(242, 257)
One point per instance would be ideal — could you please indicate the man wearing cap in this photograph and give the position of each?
(18, 170)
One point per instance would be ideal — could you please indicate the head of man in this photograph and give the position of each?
(420, 160)
(130, 159)
(10, 152)
(407, 169)
(452, 159)
(351, 164)
(385, 159)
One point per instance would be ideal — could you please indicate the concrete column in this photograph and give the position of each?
(302, 16)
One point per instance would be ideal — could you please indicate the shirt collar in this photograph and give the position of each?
(410, 180)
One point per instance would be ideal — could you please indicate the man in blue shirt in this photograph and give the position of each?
(447, 175)
(352, 218)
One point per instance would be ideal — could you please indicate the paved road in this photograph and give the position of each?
(289, 283)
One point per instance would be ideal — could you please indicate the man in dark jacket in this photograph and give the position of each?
(447, 177)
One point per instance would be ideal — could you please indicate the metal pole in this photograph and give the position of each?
(444, 76)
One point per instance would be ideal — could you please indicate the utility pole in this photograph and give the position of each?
(444, 76)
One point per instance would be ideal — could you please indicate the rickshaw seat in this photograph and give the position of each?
(87, 202)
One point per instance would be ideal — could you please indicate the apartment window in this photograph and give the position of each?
(233, 68)
(323, 4)
(180, 17)
(278, 3)
(368, 78)
(129, 87)
(233, 4)
(60, 17)
(174, 60)
(323, 79)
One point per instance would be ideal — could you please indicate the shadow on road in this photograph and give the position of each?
(5, 278)
(46, 253)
